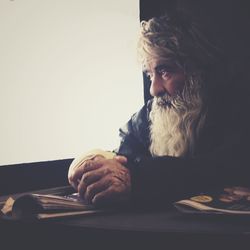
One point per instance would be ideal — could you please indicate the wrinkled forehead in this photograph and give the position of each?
(153, 63)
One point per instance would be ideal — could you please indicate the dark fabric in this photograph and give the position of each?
(224, 23)
(221, 157)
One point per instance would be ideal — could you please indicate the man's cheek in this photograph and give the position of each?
(178, 85)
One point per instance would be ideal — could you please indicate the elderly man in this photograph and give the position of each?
(189, 137)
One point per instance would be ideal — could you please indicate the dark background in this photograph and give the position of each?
(225, 22)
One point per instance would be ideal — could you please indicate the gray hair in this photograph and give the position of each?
(178, 40)
(174, 130)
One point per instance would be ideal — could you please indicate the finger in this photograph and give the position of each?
(95, 175)
(81, 188)
(97, 187)
(88, 176)
(108, 195)
(84, 168)
(121, 159)
(73, 184)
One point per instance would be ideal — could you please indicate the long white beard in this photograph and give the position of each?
(175, 124)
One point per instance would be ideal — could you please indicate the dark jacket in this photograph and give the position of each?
(221, 158)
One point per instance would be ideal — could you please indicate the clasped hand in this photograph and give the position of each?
(102, 181)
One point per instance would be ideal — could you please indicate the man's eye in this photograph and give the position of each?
(164, 72)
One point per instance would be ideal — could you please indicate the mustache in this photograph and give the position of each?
(165, 100)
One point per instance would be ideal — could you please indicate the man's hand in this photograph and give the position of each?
(103, 181)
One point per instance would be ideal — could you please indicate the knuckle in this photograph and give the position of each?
(90, 191)
(71, 175)
(81, 185)
(81, 190)
(79, 168)
(107, 171)
(70, 178)
(98, 157)
(86, 177)
(86, 164)
(110, 182)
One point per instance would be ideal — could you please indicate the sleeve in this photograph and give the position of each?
(134, 136)
(165, 179)
(162, 180)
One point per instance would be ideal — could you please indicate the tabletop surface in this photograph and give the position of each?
(169, 220)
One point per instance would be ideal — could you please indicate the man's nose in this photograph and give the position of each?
(156, 87)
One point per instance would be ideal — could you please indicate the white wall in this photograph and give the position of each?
(69, 76)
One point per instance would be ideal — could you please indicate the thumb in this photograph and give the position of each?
(121, 159)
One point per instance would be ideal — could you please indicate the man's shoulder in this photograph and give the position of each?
(145, 110)
(142, 116)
